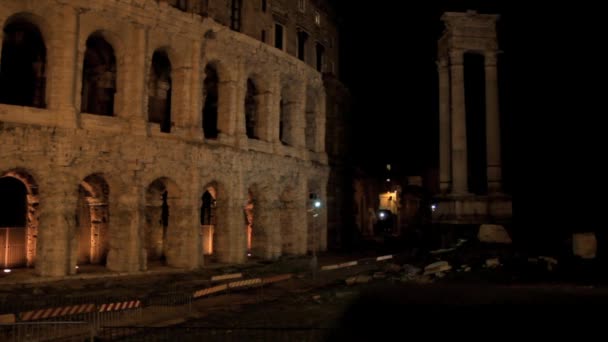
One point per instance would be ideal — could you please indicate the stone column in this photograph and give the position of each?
(196, 107)
(300, 219)
(126, 232)
(61, 75)
(137, 102)
(230, 241)
(297, 113)
(492, 124)
(445, 171)
(319, 145)
(459, 127)
(57, 205)
(227, 110)
(265, 228)
(183, 238)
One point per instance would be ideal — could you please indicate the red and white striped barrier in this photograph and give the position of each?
(244, 283)
(277, 278)
(210, 290)
(227, 276)
(118, 306)
(385, 257)
(56, 312)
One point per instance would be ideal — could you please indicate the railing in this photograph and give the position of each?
(219, 334)
(47, 331)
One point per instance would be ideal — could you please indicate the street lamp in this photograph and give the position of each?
(314, 210)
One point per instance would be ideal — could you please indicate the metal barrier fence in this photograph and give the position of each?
(47, 331)
(210, 334)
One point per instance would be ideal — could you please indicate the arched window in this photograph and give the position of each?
(98, 77)
(251, 110)
(23, 65)
(211, 103)
(159, 91)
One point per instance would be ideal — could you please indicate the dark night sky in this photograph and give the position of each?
(552, 76)
(388, 62)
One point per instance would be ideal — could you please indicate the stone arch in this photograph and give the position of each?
(18, 245)
(99, 76)
(162, 195)
(24, 61)
(210, 101)
(160, 90)
(208, 217)
(92, 220)
(252, 109)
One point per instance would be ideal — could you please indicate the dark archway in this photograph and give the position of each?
(251, 110)
(160, 91)
(92, 219)
(210, 108)
(98, 77)
(208, 220)
(162, 196)
(23, 71)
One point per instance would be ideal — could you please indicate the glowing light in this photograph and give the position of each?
(433, 207)
(317, 204)
(7, 270)
(388, 179)
(382, 215)
(249, 254)
(77, 267)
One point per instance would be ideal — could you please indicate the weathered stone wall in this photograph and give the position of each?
(57, 147)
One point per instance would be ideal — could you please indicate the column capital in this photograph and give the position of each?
(442, 63)
(456, 56)
(490, 58)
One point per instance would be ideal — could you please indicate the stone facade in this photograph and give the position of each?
(468, 33)
(123, 182)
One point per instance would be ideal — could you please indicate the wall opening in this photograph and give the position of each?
(161, 199)
(98, 77)
(18, 219)
(235, 14)
(160, 91)
(210, 107)
(475, 104)
(264, 6)
(208, 220)
(302, 40)
(279, 36)
(251, 110)
(92, 220)
(23, 71)
(320, 52)
(249, 221)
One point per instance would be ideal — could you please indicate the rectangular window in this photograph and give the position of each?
(278, 36)
(302, 5)
(264, 36)
(264, 6)
(317, 18)
(320, 50)
(302, 39)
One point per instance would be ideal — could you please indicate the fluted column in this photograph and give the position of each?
(445, 172)
(459, 127)
(492, 124)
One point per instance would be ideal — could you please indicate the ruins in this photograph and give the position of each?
(135, 132)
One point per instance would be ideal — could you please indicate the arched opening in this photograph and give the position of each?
(92, 220)
(159, 91)
(475, 104)
(251, 110)
(208, 219)
(249, 221)
(311, 119)
(23, 65)
(98, 77)
(210, 94)
(161, 197)
(18, 219)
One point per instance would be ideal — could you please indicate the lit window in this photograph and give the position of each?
(317, 18)
(301, 5)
